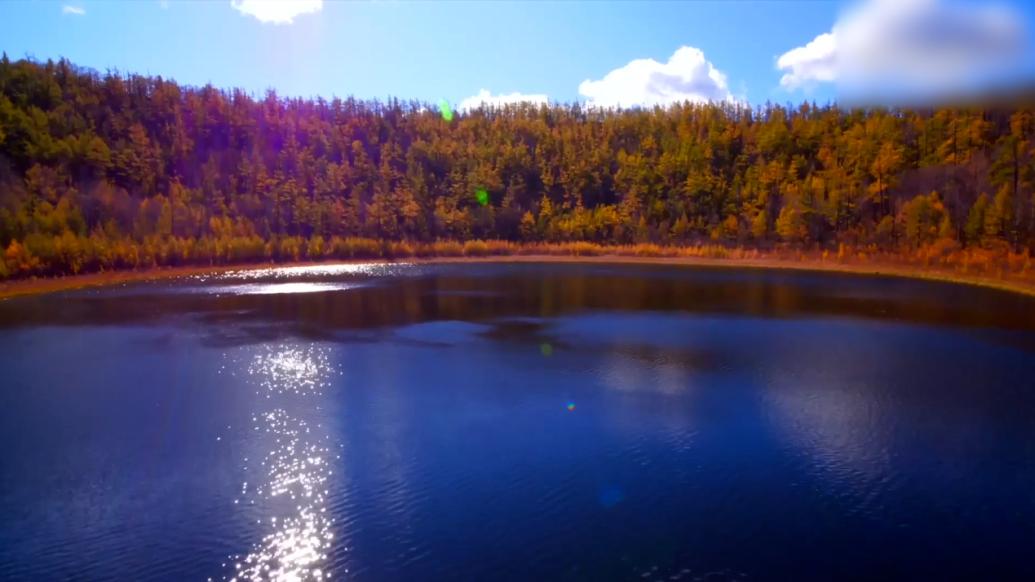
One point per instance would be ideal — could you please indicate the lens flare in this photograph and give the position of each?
(482, 196)
(445, 110)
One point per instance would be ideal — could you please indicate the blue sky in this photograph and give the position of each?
(453, 50)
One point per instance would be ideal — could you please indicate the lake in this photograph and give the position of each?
(518, 421)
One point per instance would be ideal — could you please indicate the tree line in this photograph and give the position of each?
(106, 171)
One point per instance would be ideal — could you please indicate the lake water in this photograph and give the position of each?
(522, 421)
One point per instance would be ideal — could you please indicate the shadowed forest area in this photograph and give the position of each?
(113, 171)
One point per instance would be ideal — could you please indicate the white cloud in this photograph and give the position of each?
(814, 62)
(73, 10)
(922, 48)
(484, 97)
(687, 76)
(277, 11)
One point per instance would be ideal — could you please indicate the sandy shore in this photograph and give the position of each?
(49, 285)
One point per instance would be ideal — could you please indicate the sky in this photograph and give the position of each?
(601, 53)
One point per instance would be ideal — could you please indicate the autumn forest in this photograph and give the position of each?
(113, 171)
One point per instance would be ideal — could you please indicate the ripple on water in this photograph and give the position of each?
(295, 370)
(295, 469)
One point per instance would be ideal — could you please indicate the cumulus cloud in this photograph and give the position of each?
(73, 10)
(484, 97)
(814, 62)
(687, 76)
(277, 11)
(923, 48)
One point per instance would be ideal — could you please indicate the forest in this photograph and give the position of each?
(121, 171)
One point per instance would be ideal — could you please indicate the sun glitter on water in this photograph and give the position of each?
(294, 471)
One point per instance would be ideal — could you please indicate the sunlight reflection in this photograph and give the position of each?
(281, 288)
(295, 468)
(296, 480)
(295, 370)
(322, 270)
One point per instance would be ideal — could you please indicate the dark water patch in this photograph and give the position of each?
(485, 291)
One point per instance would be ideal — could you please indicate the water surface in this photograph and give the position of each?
(521, 421)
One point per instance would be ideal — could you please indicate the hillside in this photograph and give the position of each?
(101, 172)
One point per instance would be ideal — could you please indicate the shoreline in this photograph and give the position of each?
(40, 286)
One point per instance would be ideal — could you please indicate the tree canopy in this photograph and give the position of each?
(108, 171)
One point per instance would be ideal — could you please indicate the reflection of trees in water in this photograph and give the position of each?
(484, 292)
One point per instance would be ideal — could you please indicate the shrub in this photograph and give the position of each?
(647, 250)
(315, 248)
(501, 247)
(399, 249)
(355, 248)
(585, 249)
(447, 248)
(475, 248)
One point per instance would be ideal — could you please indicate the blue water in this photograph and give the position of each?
(476, 422)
